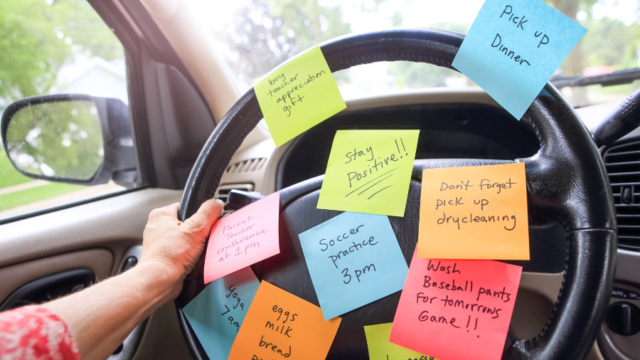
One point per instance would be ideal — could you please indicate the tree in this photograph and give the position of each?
(265, 33)
(38, 36)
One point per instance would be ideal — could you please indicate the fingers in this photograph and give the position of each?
(207, 214)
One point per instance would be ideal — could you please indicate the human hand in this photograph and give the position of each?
(175, 245)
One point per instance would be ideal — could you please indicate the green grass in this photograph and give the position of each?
(8, 175)
(27, 196)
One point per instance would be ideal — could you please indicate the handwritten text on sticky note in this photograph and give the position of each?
(216, 314)
(381, 349)
(513, 48)
(369, 171)
(281, 325)
(446, 303)
(353, 259)
(477, 212)
(298, 95)
(243, 238)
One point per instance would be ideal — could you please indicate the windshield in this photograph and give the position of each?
(255, 36)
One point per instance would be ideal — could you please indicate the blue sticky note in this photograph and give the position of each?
(216, 314)
(353, 259)
(513, 48)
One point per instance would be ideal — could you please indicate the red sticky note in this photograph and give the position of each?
(456, 309)
(243, 238)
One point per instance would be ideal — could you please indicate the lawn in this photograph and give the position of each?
(22, 197)
(8, 175)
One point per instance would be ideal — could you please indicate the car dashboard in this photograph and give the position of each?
(469, 124)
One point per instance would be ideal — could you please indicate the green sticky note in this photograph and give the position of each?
(381, 349)
(298, 95)
(369, 171)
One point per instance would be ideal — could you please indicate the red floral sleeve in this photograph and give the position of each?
(34, 332)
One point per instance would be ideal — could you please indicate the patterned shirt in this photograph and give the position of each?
(35, 333)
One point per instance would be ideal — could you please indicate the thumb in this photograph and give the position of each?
(207, 214)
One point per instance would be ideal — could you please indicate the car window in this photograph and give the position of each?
(56, 47)
(257, 35)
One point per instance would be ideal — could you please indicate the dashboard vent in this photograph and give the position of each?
(223, 192)
(246, 166)
(623, 166)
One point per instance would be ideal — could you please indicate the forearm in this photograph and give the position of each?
(102, 316)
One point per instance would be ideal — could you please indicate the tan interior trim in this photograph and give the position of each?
(100, 261)
(195, 48)
(115, 223)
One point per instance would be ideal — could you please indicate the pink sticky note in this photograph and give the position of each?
(456, 309)
(243, 238)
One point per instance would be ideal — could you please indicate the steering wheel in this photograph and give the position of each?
(566, 182)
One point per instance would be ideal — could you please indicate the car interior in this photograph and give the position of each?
(195, 136)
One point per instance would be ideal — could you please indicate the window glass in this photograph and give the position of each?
(56, 47)
(257, 35)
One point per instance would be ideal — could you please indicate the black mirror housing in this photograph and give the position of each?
(119, 159)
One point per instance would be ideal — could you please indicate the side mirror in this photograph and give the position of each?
(76, 139)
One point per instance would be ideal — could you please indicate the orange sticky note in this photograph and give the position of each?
(243, 238)
(280, 325)
(456, 309)
(476, 212)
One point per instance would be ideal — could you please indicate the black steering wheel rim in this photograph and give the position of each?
(566, 182)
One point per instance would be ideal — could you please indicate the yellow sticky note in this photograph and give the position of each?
(298, 95)
(477, 212)
(381, 349)
(369, 171)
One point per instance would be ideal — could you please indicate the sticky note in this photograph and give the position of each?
(353, 259)
(513, 48)
(477, 212)
(280, 325)
(243, 238)
(216, 314)
(369, 171)
(381, 349)
(298, 95)
(456, 309)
